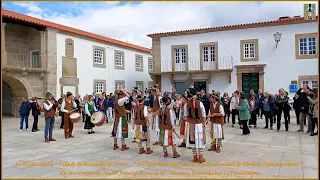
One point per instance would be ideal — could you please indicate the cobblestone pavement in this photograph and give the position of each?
(262, 147)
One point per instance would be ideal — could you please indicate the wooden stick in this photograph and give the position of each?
(176, 134)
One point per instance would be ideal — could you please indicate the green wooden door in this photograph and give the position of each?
(250, 81)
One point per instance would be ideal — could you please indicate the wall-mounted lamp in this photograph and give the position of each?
(277, 37)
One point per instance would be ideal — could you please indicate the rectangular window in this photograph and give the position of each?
(98, 87)
(119, 84)
(139, 84)
(118, 59)
(314, 84)
(98, 56)
(208, 53)
(150, 64)
(307, 46)
(249, 50)
(139, 63)
(179, 57)
(35, 59)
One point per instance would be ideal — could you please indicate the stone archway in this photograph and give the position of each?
(18, 90)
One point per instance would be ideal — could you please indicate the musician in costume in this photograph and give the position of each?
(183, 122)
(155, 113)
(120, 125)
(67, 107)
(194, 114)
(142, 124)
(49, 114)
(216, 123)
(134, 104)
(89, 109)
(167, 128)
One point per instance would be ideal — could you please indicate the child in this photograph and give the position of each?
(89, 108)
(253, 110)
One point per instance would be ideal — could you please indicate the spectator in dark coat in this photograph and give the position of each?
(35, 113)
(24, 112)
(97, 101)
(110, 103)
(128, 107)
(205, 101)
(303, 106)
(260, 97)
(151, 99)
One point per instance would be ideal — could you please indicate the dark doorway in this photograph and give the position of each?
(181, 87)
(6, 100)
(250, 81)
(200, 85)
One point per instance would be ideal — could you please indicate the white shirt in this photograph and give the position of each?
(145, 111)
(186, 112)
(122, 101)
(234, 102)
(46, 106)
(64, 105)
(86, 108)
(221, 110)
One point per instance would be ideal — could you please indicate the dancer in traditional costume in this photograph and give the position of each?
(194, 114)
(167, 129)
(216, 123)
(155, 113)
(89, 108)
(183, 122)
(134, 104)
(67, 107)
(120, 125)
(142, 124)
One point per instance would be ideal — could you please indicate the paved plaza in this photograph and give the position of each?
(264, 149)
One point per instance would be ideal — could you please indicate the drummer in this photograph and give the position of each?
(89, 109)
(67, 107)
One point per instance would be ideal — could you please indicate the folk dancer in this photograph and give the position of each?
(89, 109)
(134, 104)
(194, 114)
(67, 107)
(142, 124)
(183, 122)
(155, 113)
(167, 128)
(216, 123)
(49, 114)
(120, 125)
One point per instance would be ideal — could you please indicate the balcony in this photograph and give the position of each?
(194, 66)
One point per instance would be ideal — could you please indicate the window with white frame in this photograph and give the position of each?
(312, 83)
(35, 59)
(98, 56)
(98, 87)
(150, 64)
(249, 50)
(139, 84)
(119, 85)
(118, 59)
(208, 53)
(180, 55)
(307, 46)
(139, 62)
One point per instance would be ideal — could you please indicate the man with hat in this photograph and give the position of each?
(216, 123)
(142, 124)
(67, 107)
(120, 125)
(155, 112)
(183, 122)
(195, 115)
(49, 114)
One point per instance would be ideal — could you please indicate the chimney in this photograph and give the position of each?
(284, 17)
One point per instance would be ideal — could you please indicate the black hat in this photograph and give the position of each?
(191, 92)
(140, 98)
(214, 95)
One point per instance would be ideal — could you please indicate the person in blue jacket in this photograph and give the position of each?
(110, 103)
(24, 112)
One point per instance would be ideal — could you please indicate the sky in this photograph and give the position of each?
(132, 21)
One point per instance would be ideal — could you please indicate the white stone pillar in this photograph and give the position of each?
(3, 49)
(42, 52)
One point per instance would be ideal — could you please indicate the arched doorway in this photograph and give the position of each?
(13, 91)
(6, 100)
